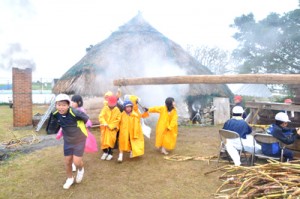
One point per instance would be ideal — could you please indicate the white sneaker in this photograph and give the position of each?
(163, 151)
(109, 157)
(73, 167)
(68, 183)
(130, 155)
(103, 157)
(79, 175)
(120, 159)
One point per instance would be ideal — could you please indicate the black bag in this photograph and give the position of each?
(52, 126)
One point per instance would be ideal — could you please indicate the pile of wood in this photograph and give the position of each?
(272, 180)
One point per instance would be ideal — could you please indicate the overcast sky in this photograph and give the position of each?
(52, 35)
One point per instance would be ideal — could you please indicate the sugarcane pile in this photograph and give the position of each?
(272, 180)
(177, 157)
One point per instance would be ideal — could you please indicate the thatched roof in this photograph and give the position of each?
(136, 49)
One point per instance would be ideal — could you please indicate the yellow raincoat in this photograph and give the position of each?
(112, 118)
(166, 128)
(131, 137)
(106, 95)
(134, 100)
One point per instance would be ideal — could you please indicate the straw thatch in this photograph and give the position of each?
(135, 50)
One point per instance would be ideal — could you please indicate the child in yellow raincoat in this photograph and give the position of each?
(106, 96)
(109, 119)
(167, 125)
(135, 101)
(131, 138)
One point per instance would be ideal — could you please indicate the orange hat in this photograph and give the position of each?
(288, 101)
(238, 97)
(112, 101)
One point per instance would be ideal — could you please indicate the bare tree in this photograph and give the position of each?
(215, 59)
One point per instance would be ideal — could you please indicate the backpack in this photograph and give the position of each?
(52, 126)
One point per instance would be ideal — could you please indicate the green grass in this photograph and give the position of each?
(41, 86)
(7, 131)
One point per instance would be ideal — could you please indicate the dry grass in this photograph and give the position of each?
(41, 174)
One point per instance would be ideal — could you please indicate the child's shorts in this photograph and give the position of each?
(74, 149)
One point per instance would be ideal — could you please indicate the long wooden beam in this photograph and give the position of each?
(213, 79)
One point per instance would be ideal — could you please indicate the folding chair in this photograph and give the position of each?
(264, 138)
(227, 134)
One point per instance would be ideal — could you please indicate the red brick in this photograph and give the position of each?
(22, 97)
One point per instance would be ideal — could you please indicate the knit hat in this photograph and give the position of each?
(78, 100)
(238, 98)
(127, 103)
(112, 101)
(288, 101)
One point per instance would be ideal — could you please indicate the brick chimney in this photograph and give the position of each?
(22, 97)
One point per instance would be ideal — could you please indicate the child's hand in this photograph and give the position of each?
(89, 123)
(298, 131)
(59, 134)
(112, 128)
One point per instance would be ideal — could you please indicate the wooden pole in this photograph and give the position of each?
(213, 79)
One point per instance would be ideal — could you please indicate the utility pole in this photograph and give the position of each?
(42, 84)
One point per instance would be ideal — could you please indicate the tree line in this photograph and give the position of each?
(271, 45)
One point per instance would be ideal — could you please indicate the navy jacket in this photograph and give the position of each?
(285, 135)
(238, 125)
(68, 122)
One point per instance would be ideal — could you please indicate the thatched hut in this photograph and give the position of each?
(136, 49)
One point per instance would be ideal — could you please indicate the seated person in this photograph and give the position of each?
(286, 135)
(240, 126)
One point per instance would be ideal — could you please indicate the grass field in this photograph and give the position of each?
(41, 174)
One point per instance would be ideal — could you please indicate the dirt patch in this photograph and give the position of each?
(41, 173)
(27, 144)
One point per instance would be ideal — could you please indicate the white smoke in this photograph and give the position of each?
(16, 57)
(150, 60)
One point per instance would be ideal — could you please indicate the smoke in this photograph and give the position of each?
(149, 59)
(16, 57)
(13, 17)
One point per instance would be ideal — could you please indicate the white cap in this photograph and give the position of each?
(238, 110)
(281, 116)
(63, 97)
